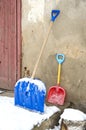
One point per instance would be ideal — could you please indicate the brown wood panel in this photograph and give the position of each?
(9, 43)
(19, 40)
(3, 48)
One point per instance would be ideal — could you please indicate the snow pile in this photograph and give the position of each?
(16, 118)
(70, 114)
(73, 115)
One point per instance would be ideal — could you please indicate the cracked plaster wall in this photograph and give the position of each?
(68, 36)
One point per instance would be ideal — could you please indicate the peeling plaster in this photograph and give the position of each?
(36, 12)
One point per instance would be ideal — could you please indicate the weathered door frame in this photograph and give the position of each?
(19, 40)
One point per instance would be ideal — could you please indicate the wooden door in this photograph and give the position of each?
(10, 37)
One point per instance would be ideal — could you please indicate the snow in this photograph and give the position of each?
(73, 115)
(16, 118)
(1, 91)
(55, 128)
(39, 83)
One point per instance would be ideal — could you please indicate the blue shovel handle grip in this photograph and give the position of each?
(60, 58)
(54, 14)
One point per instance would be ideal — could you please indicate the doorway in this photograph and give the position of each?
(10, 43)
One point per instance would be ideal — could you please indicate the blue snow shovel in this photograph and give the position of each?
(29, 92)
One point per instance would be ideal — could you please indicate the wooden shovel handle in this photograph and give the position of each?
(42, 49)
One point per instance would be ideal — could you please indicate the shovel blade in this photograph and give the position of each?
(30, 94)
(56, 95)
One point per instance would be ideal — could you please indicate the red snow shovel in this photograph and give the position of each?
(56, 94)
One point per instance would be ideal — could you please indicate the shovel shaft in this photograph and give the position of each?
(42, 49)
(59, 74)
(54, 15)
(60, 59)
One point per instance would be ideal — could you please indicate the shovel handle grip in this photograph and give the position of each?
(54, 14)
(60, 58)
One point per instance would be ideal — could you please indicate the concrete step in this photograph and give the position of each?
(53, 120)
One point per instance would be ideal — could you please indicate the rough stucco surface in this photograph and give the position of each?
(68, 36)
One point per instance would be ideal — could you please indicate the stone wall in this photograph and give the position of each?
(68, 36)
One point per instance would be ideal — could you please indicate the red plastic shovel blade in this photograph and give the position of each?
(56, 95)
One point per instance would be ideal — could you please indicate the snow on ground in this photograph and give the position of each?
(16, 118)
